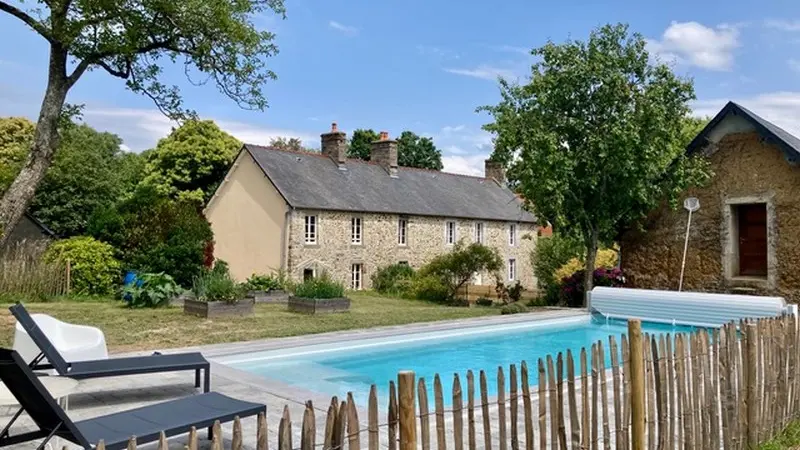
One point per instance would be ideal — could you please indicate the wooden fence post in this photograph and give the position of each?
(750, 402)
(69, 276)
(637, 384)
(408, 422)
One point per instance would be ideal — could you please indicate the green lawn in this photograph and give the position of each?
(149, 329)
(789, 439)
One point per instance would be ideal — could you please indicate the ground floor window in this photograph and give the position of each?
(357, 275)
(750, 222)
(512, 269)
(308, 274)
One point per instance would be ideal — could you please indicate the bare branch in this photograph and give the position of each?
(112, 71)
(30, 21)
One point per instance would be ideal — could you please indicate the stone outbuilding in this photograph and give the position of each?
(746, 235)
(309, 213)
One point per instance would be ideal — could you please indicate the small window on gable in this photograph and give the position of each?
(355, 230)
(450, 232)
(311, 230)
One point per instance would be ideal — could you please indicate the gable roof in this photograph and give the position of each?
(314, 181)
(789, 144)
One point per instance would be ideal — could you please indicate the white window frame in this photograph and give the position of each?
(448, 238)
(512, 235)
(480, 234)
(512, 269)
(356, 230)
(356, 276)
(311, 229)
(402, 231)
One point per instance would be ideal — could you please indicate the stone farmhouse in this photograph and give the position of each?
(309, 213)
(746, 235)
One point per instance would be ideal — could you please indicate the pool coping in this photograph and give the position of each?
(212, 351)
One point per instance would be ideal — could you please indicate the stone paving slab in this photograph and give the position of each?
(108, 395)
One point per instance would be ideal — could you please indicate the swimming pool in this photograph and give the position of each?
(353, 366)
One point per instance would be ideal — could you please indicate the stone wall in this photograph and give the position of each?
(335, 254)
(746, 170)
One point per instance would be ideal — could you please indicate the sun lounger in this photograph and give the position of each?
(146, 423)
(111, 367)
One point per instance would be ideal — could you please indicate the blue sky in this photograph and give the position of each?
(425, 65)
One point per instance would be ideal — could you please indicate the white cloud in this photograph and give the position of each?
(347, 30)
(794, 64)
(464, 165)
(437, 52)
(783, 25)
(141, 129)
(780, 108)
(511, 49)
(698, 45)
(484, 72)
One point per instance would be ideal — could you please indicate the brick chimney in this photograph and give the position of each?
(384, 152)
(495, 170)
(334, 145)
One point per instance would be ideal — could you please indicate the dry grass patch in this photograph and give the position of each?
(150, 329)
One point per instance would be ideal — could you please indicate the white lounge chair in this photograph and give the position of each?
(74, 342)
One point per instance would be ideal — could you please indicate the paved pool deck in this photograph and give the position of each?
(105, 396)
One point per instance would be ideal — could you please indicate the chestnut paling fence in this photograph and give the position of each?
(729, 388)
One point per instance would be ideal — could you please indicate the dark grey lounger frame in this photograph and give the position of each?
(172, 417)
(112, 367)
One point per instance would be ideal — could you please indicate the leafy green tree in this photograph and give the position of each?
(15, 138)
(361, 144)
(595, 137)
(131, 40)
(153, 233)
(289, 144)
(457, 267)
(417, 151)
(412, 150)
(94, 269)
(191, 161)
(85, 175)
(89, 171)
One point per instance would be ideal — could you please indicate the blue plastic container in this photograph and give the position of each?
(131, 277)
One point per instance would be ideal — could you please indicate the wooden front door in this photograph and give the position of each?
(753, 240)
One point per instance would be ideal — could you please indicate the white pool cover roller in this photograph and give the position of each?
(687, 308)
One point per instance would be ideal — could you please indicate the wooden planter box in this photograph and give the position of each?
(319, 305)
(210, 310)
(278, 297)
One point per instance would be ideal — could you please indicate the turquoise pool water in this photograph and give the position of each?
(355, 365)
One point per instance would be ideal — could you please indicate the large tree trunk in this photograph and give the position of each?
(591, 256)
(45, 141)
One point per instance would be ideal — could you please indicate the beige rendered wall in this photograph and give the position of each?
(335, 254)
(247, 215)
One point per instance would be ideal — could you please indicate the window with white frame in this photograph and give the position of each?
(402, 231)
(311, 229)
(512, 234)
(512, 269)
(479, 232)
(355, 227)
(450, 232)
(357, 276)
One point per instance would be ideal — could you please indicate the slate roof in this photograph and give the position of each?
(314, 181)
(789, 144)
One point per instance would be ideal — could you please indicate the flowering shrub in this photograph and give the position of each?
(606, 257)
(572, 286)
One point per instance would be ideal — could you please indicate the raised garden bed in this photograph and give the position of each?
(210, 310)
(278, 297)
(319, 305)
